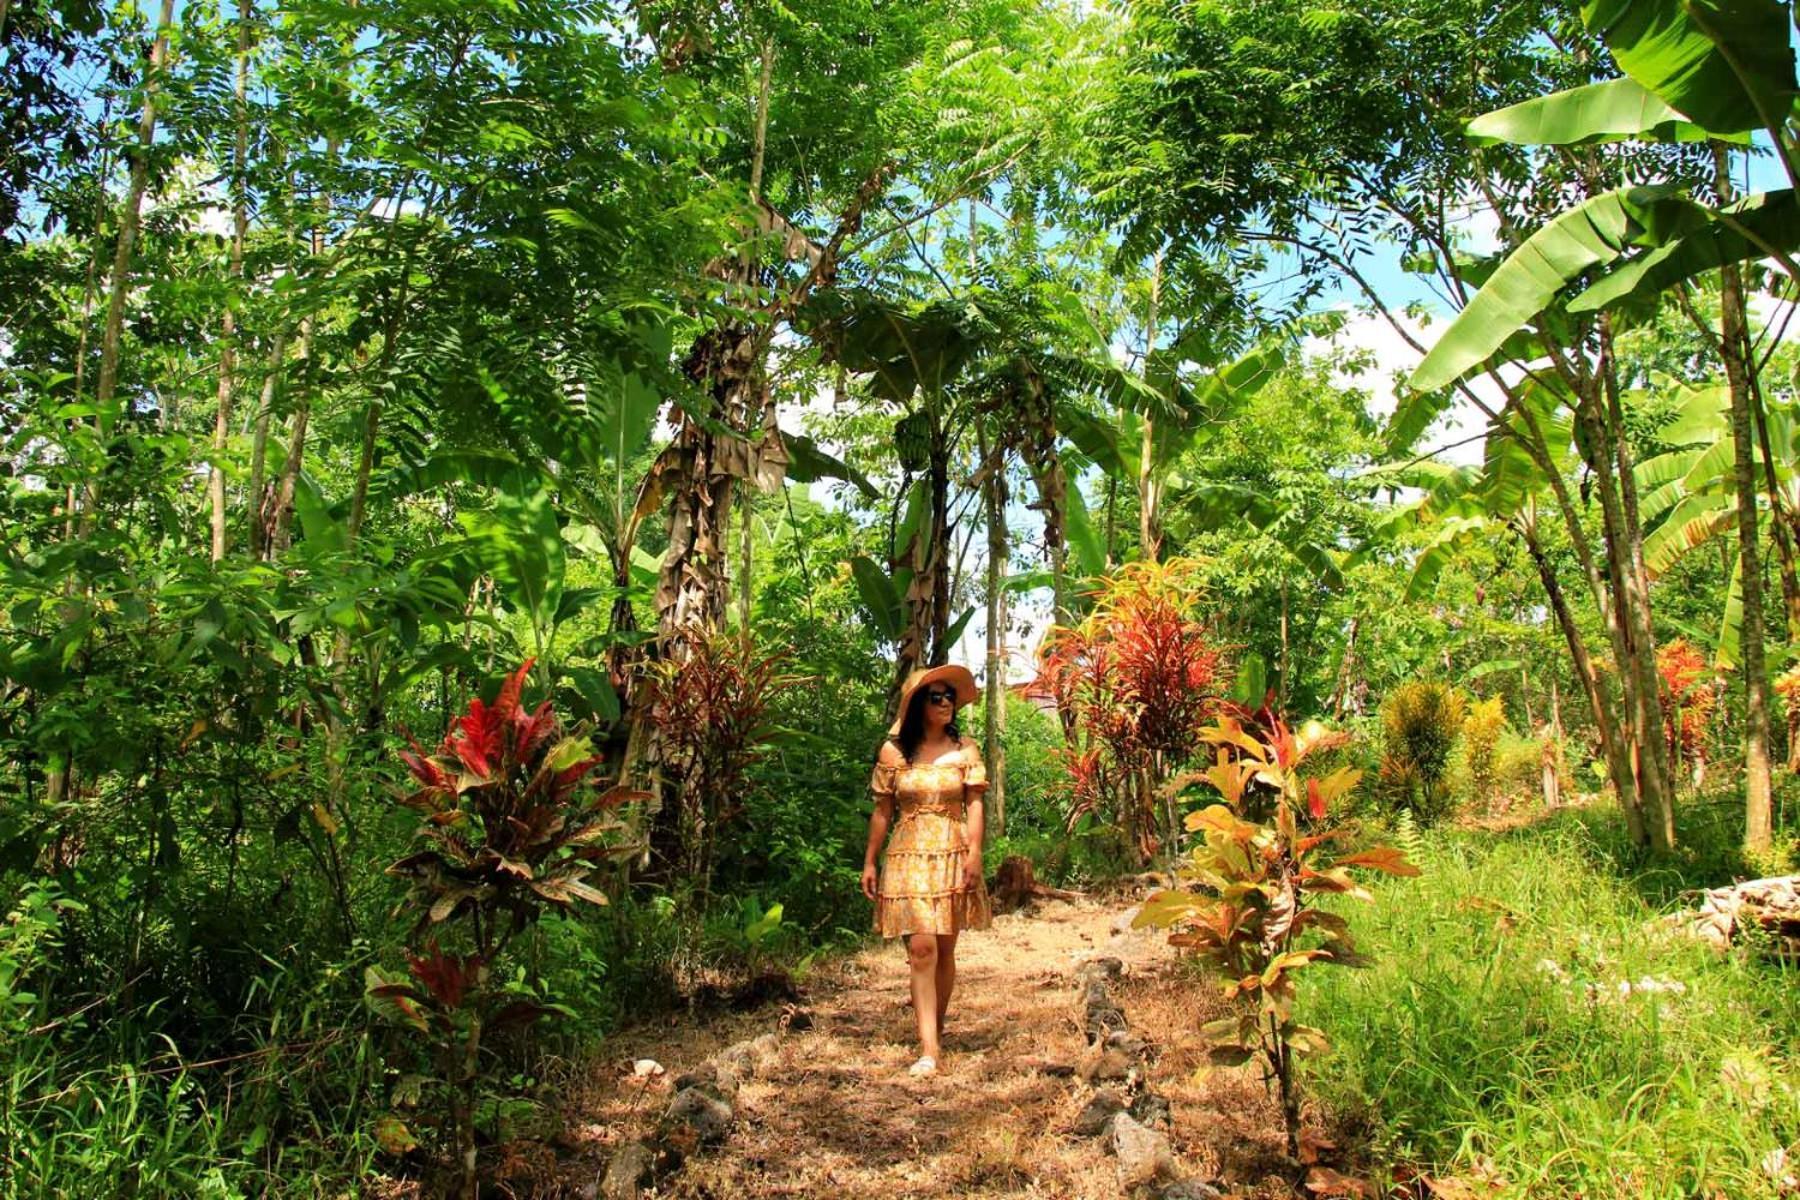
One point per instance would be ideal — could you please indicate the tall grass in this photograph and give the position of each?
(1502, 1024)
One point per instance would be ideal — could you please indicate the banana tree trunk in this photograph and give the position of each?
(1607, 720)
(939, 612)
(1624, 602)
(701, 469)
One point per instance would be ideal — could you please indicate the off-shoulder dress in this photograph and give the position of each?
(922, 869)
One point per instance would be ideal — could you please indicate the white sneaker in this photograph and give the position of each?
(926, 1065)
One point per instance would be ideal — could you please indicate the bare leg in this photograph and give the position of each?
(922, 950)
(946, 975)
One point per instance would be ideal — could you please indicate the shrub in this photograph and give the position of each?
(709, 708)
(1137, 678)
(513, 826)
(1541, 1031)
(1481, 732)
(1261, 928)
(1519, 766)
(1420, 723)
(1688, 703)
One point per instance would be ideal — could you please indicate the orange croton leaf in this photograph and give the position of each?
(1380, 858)
(1229, 733)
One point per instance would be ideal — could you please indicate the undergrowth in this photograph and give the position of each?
(1522, 1017)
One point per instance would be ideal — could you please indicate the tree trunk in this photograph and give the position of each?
(1781, 519)
(995, 740)
(1149, 485)
(240, 224)
(261, 519)
(1606, 722)
(1626, 544)
(1339, 702)
(758, 155)
(1282, 695)
(130, 216)
(939, 551)
(1623, 601)
(281, 523)
(1739, 363)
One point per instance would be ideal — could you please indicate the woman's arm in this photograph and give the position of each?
(879, 820)
(975, 827)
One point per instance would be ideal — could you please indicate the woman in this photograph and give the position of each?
(931, 884)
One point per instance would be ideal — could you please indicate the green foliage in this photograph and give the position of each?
(1518, 768)
(1420, 724)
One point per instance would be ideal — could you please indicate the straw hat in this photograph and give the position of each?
(957, 677)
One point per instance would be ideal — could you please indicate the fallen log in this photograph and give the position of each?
(1765, 912)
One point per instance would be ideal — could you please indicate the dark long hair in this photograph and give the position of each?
(912, 726)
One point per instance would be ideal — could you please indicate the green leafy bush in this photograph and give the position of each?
(1420, 724)
(1519, 769)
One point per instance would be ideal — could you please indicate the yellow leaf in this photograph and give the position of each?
(1165, 908)
(392, 1135)
(326, 821)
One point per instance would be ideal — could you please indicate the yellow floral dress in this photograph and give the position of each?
(922, 868)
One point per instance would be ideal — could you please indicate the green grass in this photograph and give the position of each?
(1489, 1027)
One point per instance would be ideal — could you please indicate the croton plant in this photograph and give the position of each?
(514, 825)
(1246, 907)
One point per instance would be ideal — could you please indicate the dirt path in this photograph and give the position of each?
(835, 1113)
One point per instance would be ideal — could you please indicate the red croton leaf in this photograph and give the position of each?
(532, 730)
(445, 976)
(568, 777)
(477, 739)
(424, 768)
(506, 704)
(1315, 800)
(1281, 741)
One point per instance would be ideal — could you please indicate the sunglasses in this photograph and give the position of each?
(938, 696)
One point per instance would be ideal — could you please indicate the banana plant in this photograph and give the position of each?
(1690, 497)
(1692, 72)
(1715, 72)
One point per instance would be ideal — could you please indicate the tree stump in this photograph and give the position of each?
(1015, 885)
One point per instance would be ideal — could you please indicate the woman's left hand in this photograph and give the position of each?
(971, 873)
